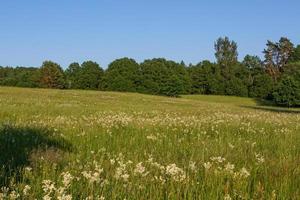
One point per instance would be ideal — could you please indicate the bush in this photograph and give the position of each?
(287, 92)
(236, 87)
(262, 86)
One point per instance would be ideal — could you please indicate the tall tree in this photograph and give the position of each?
(276, 56)
(255, 70)
(160, 76)
(52, 75)
(90, 75)
(206, 78)
(123, 75)
(226, 52)
(73, 75)
(252, 62)
(295, 57)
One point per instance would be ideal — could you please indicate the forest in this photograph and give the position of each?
(276, 78)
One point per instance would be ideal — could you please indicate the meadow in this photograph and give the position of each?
(75, 144)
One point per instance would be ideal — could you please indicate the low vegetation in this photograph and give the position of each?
(80, 144)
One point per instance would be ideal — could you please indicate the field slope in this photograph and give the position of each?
(74, 144)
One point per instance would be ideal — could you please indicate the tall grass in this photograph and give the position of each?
(103, 145)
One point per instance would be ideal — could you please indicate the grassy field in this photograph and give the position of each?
(68, 144)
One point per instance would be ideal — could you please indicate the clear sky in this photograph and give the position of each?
(102, 30)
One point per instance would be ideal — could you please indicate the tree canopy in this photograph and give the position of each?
(276, 78)
(52, 75)
(122, 75)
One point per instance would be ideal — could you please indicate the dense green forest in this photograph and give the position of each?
(276, 78)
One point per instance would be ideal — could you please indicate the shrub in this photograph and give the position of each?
(287, 92)
(236, 87)
(262, 86)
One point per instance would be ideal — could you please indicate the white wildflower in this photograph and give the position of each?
(207, 165)
(151, 137)
(28, 169)
(26, 190)
(243, 173)
(259, 158)
(229, 167)
(227, 197)
(175, 172)
(231, 145)
(121, 172)
(91, 177)
(65, 197)
(192, 166)
(112, 161)
(48, 186)
(218, 159)
(47, 197)
(13, 195)
(67, 179)
(101, 198)
(140, 169)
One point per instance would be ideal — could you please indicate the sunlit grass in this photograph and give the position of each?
(107, 145)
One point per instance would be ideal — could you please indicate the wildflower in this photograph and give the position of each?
(175, 172)
(121, 172)
(91, 177)
(231, 145)
(47, 197)
(243, 173)
(65, 197)
(151, 137)
(259, 158)
(218, 159)
(28, 169)
(101, 198)
(229, 167)
(140, 169)
(48, 186)
(112, 161)
(67, 179)
(227, 197)
(192, 166)
(26, 190)
(207, 165)
(273, 195)
(5, 191)
(14, 195)
(125, 177)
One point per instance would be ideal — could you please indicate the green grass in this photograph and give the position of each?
(91, 144)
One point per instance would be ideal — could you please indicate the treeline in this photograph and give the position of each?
(276, 78)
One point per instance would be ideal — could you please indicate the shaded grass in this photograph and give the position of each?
(19, 147)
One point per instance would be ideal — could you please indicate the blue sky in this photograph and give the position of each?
(102, 30)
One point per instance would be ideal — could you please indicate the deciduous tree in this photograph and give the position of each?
(52, 75)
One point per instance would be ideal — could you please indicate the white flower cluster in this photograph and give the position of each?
(175, 172)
